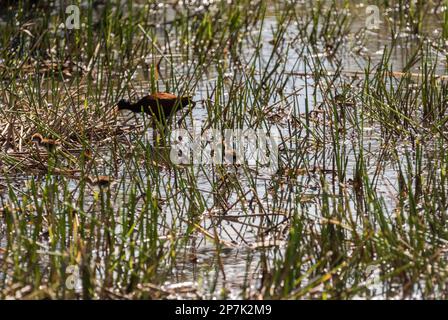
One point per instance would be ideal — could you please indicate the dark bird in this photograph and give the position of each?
(101, 181)
(161, 105)
(50, 144)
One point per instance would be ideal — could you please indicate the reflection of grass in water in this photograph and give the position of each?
(362, 156)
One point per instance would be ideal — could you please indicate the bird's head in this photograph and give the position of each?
(37, 137)
(187, 100)
(123, 104)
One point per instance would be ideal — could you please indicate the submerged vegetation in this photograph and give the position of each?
(92, 207)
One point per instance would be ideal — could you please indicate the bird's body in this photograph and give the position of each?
(49, 144)
(159, 105)
(101, 181)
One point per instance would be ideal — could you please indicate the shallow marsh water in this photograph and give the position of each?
(232, 239)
